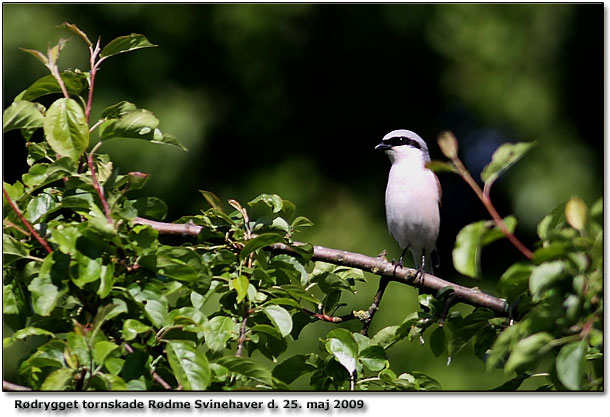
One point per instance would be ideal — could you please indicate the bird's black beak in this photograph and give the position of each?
(382, 147)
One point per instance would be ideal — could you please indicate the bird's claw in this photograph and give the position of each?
(418, 279)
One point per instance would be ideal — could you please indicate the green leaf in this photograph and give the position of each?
(14, 306)
(58, 380)
(24, 333)
(544, 276)
(190, 366)
(22, 115)
(552, 221)
(240, 285)
(155, 304)
(503, 158)
(47, 288)
(40, 206)
(373, 358)
(106, 280)
(284, 301)
(576, 213)
(150, 207)
(12, 249)
(37, 54)
(217, 332)
(526, 352)
(514, 281)
(292, 368)
(438, 341)
(76, 30)
(118, 110)
(570, 365)
(258, 242)
(471, 239)
(274, 201)
(212, 200)
(125, 43)
(341, 344)
(85, 270)
(264, 328)
(137, 124)
(385, 337)
(66, 129)
(78, 346)
(132, 328)
(291, 266)
(75, 83)
(280, 318)
(247, 368)
(102, 349)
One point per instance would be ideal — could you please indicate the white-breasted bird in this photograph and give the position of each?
(412, 197)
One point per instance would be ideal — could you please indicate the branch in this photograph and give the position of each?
(96, 184)
(25, 222)
(9, 386)
(430, 283)
(242, 333)
(326, 317)
(383, 284)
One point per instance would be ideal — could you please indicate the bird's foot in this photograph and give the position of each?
(418, 279)
(397, 264)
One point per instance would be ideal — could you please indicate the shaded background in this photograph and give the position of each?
(291, 99)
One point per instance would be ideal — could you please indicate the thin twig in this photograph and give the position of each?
(484, 197)
(9, 223)
(96, 185)
(154, 374)
(242, 333)
(25, 222)
(430, 284)
(383, 284)
(94, 66)
(326, 317)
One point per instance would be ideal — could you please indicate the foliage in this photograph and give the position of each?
(109, 304)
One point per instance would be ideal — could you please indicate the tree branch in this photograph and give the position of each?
(383, 284)
(25, 222)
(242, 333)
(430, 283)
(9, 386)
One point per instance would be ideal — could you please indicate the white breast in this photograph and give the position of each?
(412, 205)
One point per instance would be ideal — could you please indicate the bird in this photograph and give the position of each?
(412, 199)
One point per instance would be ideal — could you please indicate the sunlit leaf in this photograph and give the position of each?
(258, 242)
(190, 366)
(471, 239)
(22, 115)
(76, 30)
(280, 318)
(526, 352)
(544, 276)
(125, 44)
(58, 380)
(217, 332)
(75, 83)
(248, 368)
(341, 344)
(503, 158)
(66, 129)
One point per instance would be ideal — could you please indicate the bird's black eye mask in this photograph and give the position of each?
(401, 140)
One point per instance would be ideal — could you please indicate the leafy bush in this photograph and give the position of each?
(109, 304)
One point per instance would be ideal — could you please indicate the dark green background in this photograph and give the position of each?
(291, 99)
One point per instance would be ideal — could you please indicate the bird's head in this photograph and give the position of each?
(403, 144)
